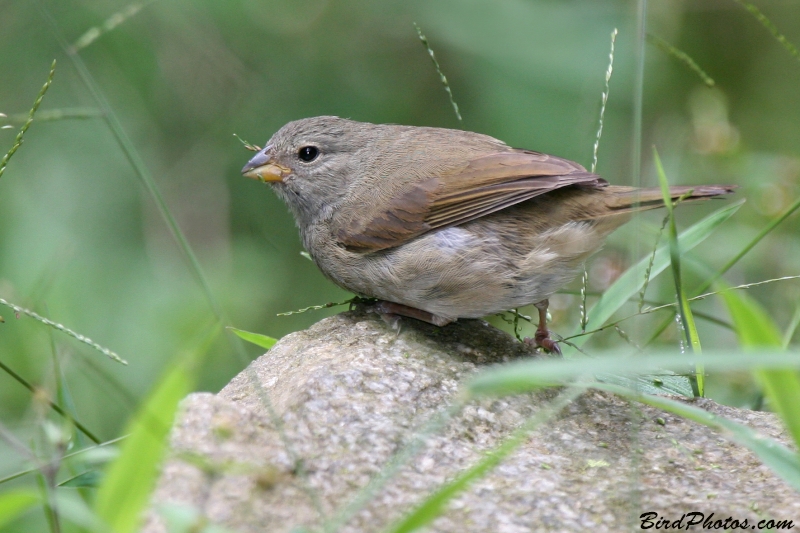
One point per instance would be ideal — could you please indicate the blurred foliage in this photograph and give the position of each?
(83, 243)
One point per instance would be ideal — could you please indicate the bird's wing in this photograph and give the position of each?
(486, 184)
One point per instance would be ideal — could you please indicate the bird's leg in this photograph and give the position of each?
(391, 312)
(542, 337)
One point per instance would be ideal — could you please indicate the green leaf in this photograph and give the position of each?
(756, 329)
(792, 327)
(16, 502)
(255, 338)
(629, 283)
(90, 478)
(129, 480)
(783, 462)
(72, 508)
(529, 375)
(687, 319)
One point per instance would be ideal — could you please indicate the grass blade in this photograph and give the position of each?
(67, 113)
(39, 394)
(531, 375)
(749, 246)
(629, 283)
(317, 307)
(681, 56)
(781, 38)
(95, 32)
(91, 451)
(638, 93)
(763, 233)
(527, 376)
(21, 134)
(603, 102)
(719, 322)
(780, 459)
(88, 479)
(792, 327)
(424, 41)
(129, 480)
(756, 329)
(254, 338)
(16, 502)
(60, 327)
(687, 319)
(137, 163)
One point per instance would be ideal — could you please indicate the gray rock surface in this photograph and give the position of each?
(349, 393)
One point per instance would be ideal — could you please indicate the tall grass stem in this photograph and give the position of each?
(442, 77)
(18, 140)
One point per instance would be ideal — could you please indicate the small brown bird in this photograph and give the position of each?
(442, 224)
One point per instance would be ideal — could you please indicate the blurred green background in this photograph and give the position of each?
(82, 241)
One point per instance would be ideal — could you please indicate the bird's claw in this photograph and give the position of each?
(542, 340)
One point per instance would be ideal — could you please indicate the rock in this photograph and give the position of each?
(349, 393)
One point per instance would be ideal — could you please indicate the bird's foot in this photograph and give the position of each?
(391, 313)
(542, 337)
(542, 340)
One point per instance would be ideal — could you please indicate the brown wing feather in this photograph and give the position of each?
(402, 220)
(485, 185)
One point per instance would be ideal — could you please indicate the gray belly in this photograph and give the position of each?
(469, 271)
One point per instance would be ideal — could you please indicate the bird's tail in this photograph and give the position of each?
(620, 200)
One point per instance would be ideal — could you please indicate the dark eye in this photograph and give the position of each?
(308, 153)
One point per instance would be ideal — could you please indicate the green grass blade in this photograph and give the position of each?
(62, 328)
(604, 100)
(434, 505)
(18, 140)
(782, 387)
(687, 319)
(756, 329)
(74, 510)
(735, 259)
(638, 92)
(750, 245)
(51, 115)
(780, 459)
(792, 327)
(137, 163)
(54, 406)
(88, 479)
(16, 502)
(255, 338)
(781, 38)
(95, 32)
(530, 375)
(442, 77)
(92, 452)
(630, 282)
(129, 480)
(681, 56)
(317, 307)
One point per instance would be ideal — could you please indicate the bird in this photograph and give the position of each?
(439, 224)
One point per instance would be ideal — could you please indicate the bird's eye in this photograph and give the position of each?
(308, 153)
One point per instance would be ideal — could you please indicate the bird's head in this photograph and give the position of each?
(310, 163)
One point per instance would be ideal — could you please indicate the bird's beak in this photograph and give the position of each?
(262, 168)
